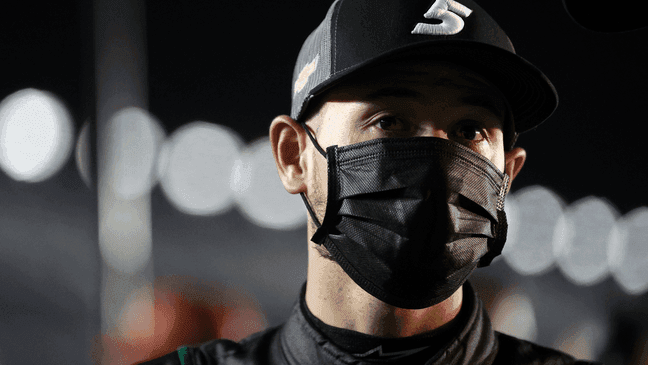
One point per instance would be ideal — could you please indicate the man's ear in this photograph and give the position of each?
(288, 141)
(514, 160)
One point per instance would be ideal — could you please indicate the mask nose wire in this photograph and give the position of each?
(303, 196)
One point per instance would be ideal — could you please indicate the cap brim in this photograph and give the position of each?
(532, 97)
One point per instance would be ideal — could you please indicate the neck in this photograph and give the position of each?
(338, 301)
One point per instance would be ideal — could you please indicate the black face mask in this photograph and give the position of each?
(408, 219)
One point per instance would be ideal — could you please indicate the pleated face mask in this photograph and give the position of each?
(409, 219)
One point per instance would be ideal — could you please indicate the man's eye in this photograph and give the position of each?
(470, 132)
(391, 124)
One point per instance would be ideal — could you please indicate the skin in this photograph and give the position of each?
(405, 98)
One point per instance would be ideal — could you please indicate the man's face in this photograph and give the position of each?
(409, 99)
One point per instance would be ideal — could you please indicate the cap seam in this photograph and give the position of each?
(334, 22)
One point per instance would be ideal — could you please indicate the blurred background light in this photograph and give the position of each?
(36, 134)
(582, 251)
(82, 154)
(584, 340)
(512, 219)
(134, 142)
(180, 310)
(513, 314)
(260, 194)
(629, 252)
(195, 168)
(538, 211)
(137, 318)
(119, 249)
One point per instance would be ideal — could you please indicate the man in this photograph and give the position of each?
(401, 143)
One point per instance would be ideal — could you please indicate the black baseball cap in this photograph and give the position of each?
(359, 33)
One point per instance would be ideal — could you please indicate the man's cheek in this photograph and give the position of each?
(320, 188)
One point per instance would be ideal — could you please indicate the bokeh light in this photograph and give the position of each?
(512, 219)
(582, 249)
(134, 140)
(36, 134)
(585, 340)
(82, 154)
(195, 168)
(628, 252)
(123, 243)
(513, 313)
(155, 320)
(137, 318)
(260, 194)
(537, 214)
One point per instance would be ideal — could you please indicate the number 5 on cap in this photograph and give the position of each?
(449, 12)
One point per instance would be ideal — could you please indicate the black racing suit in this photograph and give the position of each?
(302, 341)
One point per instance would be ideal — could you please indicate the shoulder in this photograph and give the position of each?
(221, 351)
(513, 350)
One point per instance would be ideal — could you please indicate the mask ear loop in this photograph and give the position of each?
(310, 211)
(317, 146)
(303, 196)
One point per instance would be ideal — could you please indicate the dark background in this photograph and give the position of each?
(230, 62)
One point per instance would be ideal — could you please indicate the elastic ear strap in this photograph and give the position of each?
(317, 146)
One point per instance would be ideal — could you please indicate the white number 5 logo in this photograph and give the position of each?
(449, 12)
